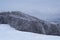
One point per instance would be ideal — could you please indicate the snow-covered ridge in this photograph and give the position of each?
(9, 33)
(24, 22)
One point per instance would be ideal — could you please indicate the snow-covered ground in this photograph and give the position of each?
(8, 33)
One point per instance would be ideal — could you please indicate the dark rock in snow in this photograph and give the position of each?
(24, 22)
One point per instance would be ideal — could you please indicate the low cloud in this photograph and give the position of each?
(39, 8)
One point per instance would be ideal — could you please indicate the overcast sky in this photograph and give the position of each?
(36, 7)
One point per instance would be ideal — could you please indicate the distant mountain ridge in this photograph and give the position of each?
(24, 22)
(57, 20)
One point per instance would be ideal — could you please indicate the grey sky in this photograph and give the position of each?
(41, 6)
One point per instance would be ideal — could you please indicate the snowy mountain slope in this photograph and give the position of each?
(25, 22)
(8, 33)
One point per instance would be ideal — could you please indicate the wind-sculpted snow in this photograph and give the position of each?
(24, 22)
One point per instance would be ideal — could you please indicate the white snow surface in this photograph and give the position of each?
(8, 33)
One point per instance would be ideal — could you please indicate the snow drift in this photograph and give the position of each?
(8, 33)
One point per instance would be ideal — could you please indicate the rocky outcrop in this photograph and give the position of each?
(24, 22)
